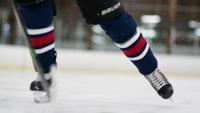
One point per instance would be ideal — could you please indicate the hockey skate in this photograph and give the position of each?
(160, 84)
(43, 90)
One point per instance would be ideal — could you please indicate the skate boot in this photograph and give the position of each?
(160, 84)
(42, 90)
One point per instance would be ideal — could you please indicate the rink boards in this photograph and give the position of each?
(18, 58)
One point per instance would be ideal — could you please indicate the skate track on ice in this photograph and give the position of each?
(99, 91)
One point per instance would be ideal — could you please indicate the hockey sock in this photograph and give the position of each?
(38, 19)
(124, 32)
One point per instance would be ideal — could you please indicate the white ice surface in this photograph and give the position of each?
(98, 93)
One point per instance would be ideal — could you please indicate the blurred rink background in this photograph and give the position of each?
(93, 76)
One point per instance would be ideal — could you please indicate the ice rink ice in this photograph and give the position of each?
(98, 93)
(98, 82)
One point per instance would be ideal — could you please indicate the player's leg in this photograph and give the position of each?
(38, 19)
(122, 29)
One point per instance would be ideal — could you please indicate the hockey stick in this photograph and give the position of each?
(34, 56)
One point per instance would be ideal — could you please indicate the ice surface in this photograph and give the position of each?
(98, 93)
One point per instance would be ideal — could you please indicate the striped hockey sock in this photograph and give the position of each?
(38, 19)
(124, 32)
(43, 42)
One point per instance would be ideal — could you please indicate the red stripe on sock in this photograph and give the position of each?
(43, 40)
(135, 49)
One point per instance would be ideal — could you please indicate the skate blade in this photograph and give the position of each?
(171, 99)
(44, 97)
(41, 97)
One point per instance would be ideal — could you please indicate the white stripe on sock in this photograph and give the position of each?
(40, 31)
(141, 55)
(131, 41)
(45, 49)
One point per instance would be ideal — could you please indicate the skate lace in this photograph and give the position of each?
(157, 79)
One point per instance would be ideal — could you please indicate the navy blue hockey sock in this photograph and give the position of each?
(38, 19)
(124, 32)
